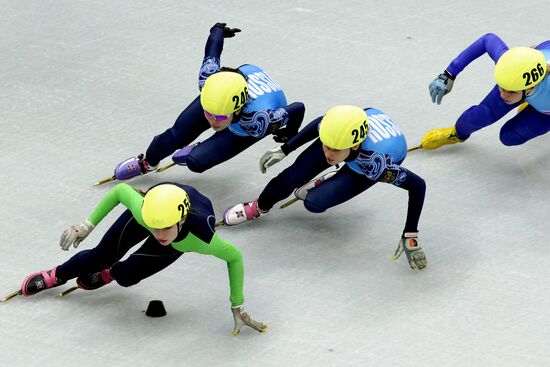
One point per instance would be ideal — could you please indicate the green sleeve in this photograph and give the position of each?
(235, 267)
(121, 193)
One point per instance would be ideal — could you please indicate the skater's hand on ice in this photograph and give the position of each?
(415, 255)
(241, 318)
(271, 157)
(441, 86)
(75, 234)
(227, 32)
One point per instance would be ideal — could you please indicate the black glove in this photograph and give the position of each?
(283, 135)
(227, 32)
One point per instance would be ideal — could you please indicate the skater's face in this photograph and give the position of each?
(166, 236)
(335, 156)
(510, 97)
(218, 122)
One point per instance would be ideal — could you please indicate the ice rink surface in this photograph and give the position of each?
(87, 84)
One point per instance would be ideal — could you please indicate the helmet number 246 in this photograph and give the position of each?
(239, 102)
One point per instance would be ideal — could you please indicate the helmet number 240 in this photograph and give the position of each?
(534, 75)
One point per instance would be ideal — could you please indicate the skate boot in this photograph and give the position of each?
(301, 192)
(95, 280)
(243, 212)
(37, 282)
(132, 167)
(180, 156)
(436, 138)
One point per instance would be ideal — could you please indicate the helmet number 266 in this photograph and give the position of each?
(534, 75)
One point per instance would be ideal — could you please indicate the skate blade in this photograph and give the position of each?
(289, 203)
(11, 295)
(164, 168)
(220, 223)
(415, 148)
(64, 293)
(105, 181)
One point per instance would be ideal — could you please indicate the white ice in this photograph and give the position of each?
(86, 84)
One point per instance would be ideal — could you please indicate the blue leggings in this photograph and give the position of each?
(343, 186)
(526, 125)
(125, 233)
(218, 148)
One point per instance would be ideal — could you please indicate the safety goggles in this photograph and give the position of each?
(216, 117)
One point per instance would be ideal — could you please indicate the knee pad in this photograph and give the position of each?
(313, 206)
(511, 138)
(124, 280)
(194, 164)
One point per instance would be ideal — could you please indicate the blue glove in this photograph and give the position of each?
(440, 86)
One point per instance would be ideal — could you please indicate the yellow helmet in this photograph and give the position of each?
(344, 127)
(520, 68)
(164, 205)
(224, 93)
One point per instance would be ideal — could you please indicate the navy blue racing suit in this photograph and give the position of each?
(378, 160)
(265, 112)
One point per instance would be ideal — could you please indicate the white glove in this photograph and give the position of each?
(271, 157)
(75, 234)
(415, 255)
(242, 318)
(441, 86)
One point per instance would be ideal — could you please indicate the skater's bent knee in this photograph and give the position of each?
(123, 282)
(511, 138)
(313, 206)
(195, 165)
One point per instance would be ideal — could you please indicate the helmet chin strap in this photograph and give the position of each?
(180, 224)
(528, 92)
(353, 154)
(237, 115)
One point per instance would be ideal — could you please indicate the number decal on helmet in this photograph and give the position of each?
(184, 208)
(181, 209)
(534, 75)
(239, 102)
(360, 134)
(540, 69)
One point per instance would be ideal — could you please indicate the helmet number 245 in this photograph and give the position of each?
(360, 134)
